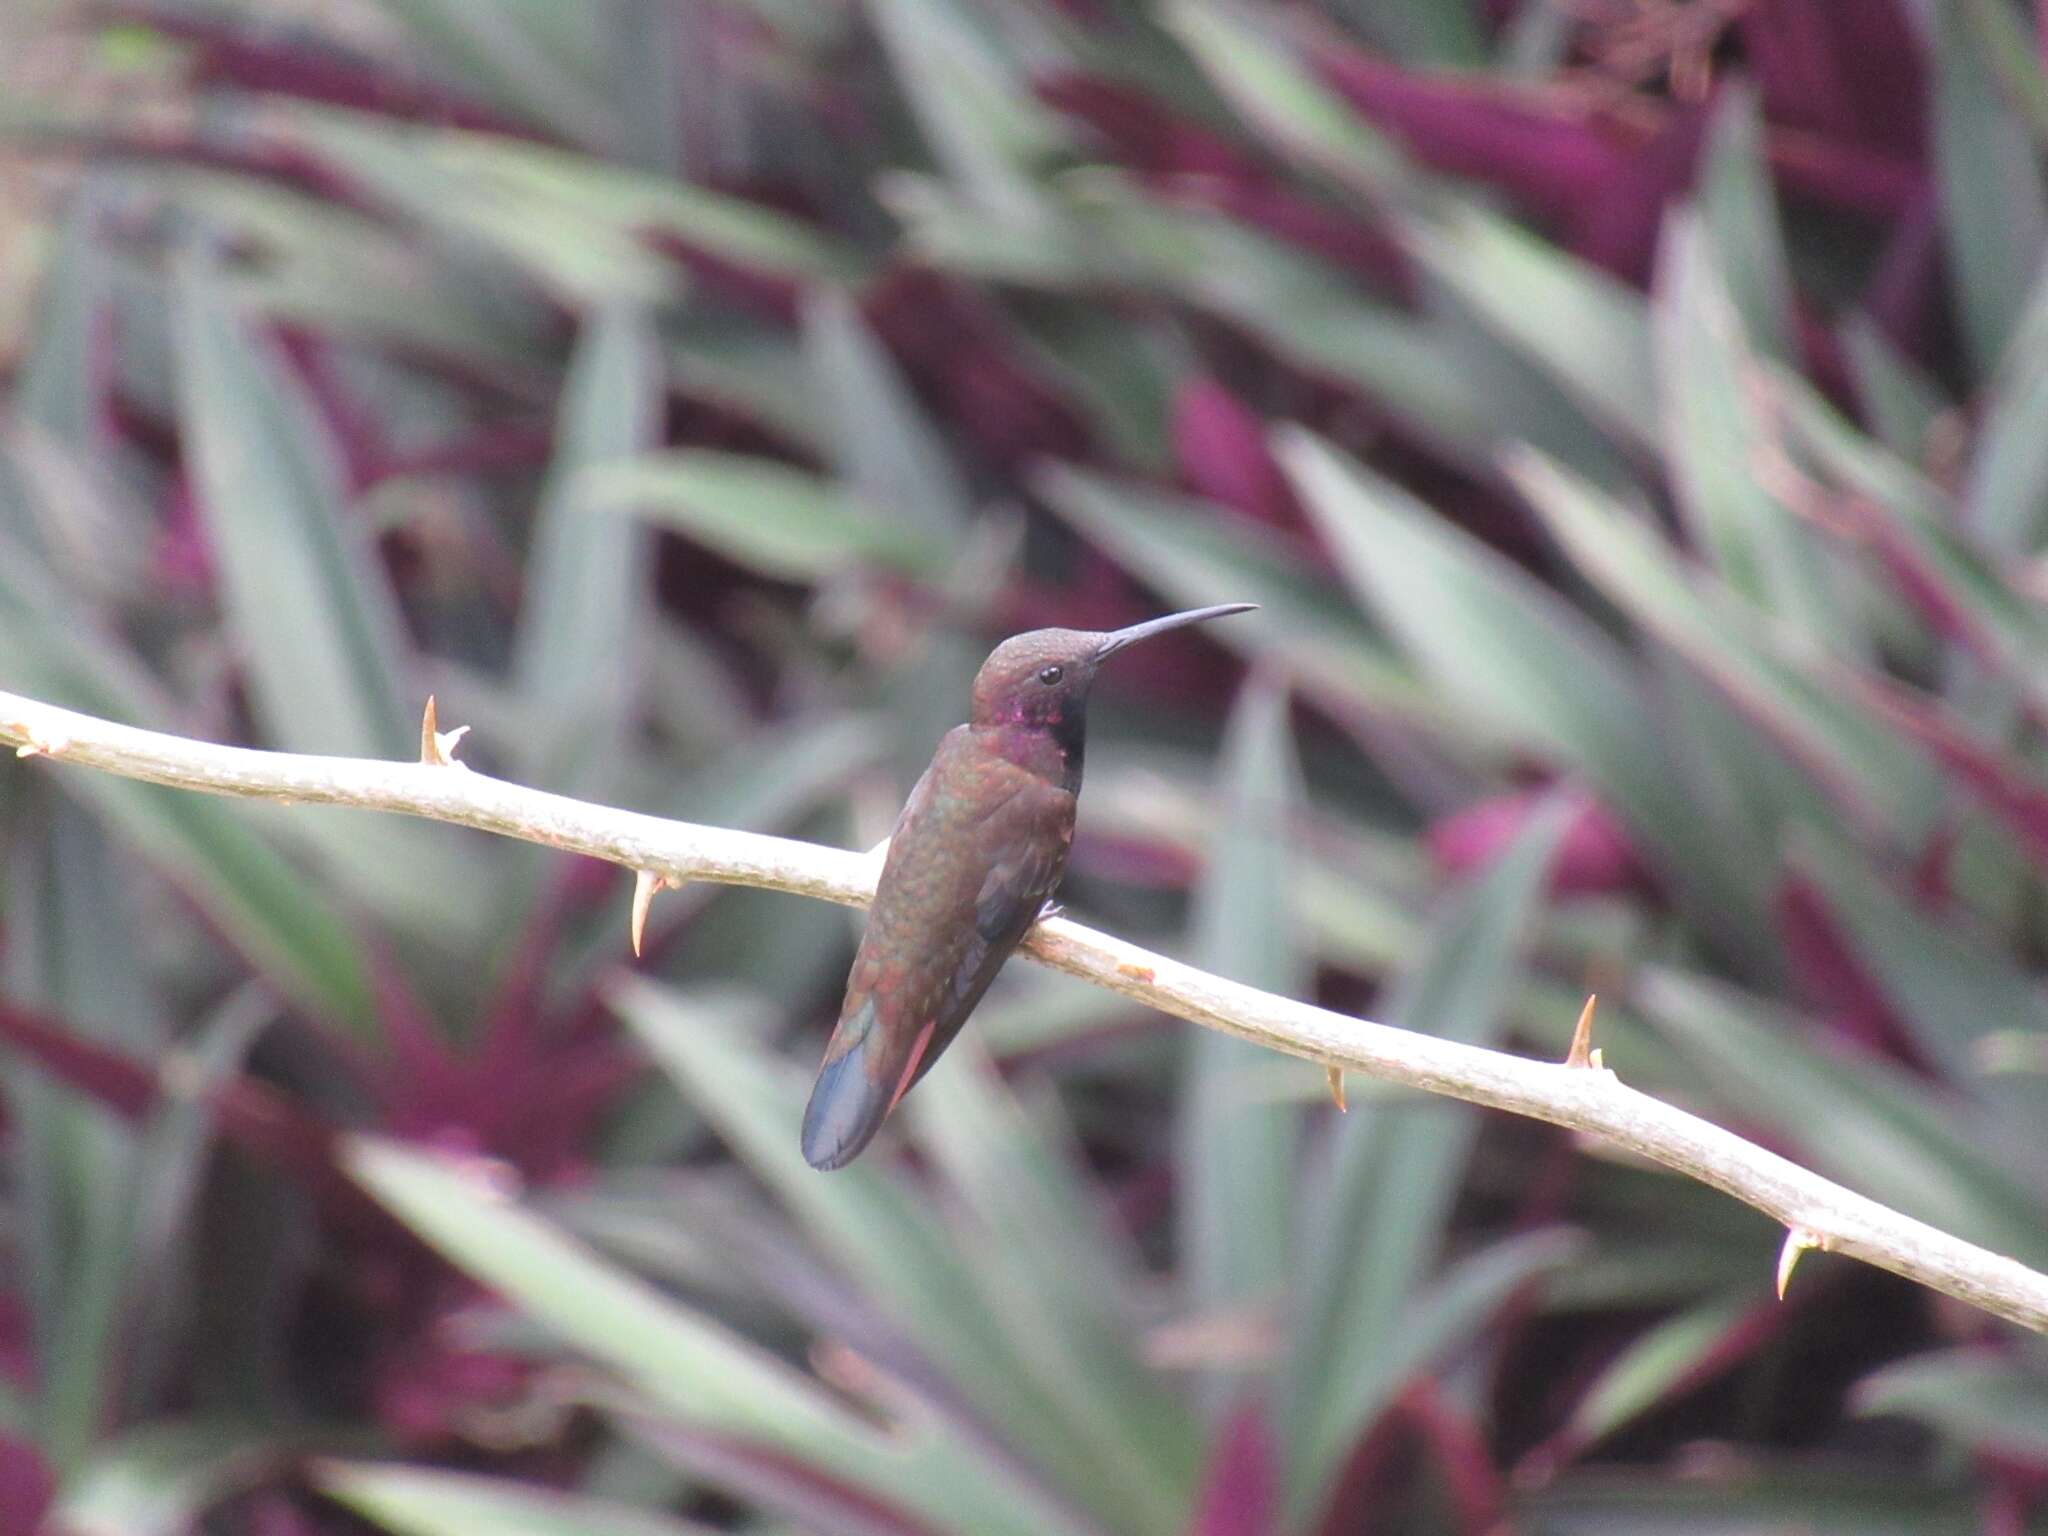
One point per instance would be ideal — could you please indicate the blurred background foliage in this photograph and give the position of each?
(1633, 418)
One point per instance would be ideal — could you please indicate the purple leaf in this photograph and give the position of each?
(1135, 861)
(1237, 1495)
(1910, 557)
(300, 63)
(180, 557)
(965, 370)
(1552, 152)
(1138, 132)
(1595, 857)
(797, 1490)
(1466, 1465)
(429, 1391)
(1220, 448)
(26, 1487)
(357, 435)
(1832, 979)
(1201, 167)
(261, 1121)
(2004, 786)
(1619, 224)
(1850, 69)
(1903, 296)
(1461, 1454)
(1848, 175)
(1508, 137)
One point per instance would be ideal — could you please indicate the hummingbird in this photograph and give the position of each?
(977, 852)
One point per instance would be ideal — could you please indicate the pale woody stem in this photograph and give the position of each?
(1818, 1212)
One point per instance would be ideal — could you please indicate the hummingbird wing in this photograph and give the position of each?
(978, 849)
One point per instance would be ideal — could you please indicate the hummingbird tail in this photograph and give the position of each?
(856, 1088)
(844, 1113)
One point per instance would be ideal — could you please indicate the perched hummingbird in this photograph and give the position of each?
(975, 857)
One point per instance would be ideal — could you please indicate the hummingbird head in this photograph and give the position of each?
(1040, 680)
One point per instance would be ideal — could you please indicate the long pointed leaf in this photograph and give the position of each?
(586, 588)
(1517, 660)
(699, 1374)
(1994, 209)
(1236, 1142)
(885, 447)
(1842, 748)
(312, 612)
(418, 1501)
(1395, 1170)
(874, 1226)
(1867, 1124)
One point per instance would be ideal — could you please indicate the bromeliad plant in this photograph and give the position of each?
(1626, 419)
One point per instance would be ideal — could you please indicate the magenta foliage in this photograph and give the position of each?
(1903, 296)
(1344, 243)
(26, 1487)
(1602, 178)
(1220, 448)
(529, 1090)
(1135, 862)
(1141, 132)
(1832, 979)
(1849, 69)
(25, 1478)
(1421, 1424)
(427, 1387)
(1621, 219)
(1547, 152)
(1597, 856)
(1998, 781)
(181, 559)
(263, 1122)
(294, 63)
(968, 370)
(1239, 1495)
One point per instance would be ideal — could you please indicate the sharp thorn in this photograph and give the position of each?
(1797, 1241)
(437, 747)
(1336, 1076)
(1582, 1053)
(646, 884)
(36, 742)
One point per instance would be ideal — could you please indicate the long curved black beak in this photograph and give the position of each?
(1117, 639)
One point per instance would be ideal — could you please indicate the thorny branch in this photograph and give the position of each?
(1578, 1094)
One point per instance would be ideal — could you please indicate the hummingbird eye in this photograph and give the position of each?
(1051, 675)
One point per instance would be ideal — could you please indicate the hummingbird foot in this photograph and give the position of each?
(1049, 911)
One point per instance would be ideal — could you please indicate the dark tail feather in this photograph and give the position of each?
(847, 1107)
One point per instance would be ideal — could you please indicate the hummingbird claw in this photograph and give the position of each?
(1049, 911)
